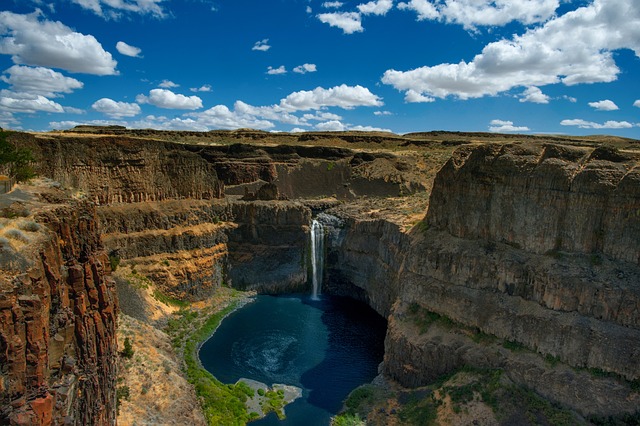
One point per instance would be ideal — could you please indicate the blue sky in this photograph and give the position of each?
(527, 66)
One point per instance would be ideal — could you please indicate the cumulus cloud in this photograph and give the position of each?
(116, 109)
(379, 7)
(342, 96)
(473, 13)
(32, 41)
(501, 126)
(414, 97)
(262, 45)
(275, 71)
(305, 68)
(332, 4)
(39, 81)
(535, 95)
(571, 49)
(637, 103)
(114, 8)
(369, 129)
(423, 8)
(13, 102)
(163, 98)
(168, 84)
(221, 117)
(203, 88)
(128, 50)
(605, 105)
(583, 124)
(379, 113)
(331, 126)
(570, 99)
(348, 22)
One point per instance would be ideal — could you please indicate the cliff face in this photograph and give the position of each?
(520, 245)
(57, 318)
(124, 170)
(542, 198)
(189, 248)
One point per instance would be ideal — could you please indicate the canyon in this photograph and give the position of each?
(523, 251)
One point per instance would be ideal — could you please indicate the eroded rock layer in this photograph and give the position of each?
(57, 318)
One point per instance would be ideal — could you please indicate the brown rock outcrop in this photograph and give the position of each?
(57, 322)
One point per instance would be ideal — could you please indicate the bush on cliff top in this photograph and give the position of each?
(16, 161)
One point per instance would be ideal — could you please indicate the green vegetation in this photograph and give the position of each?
(347, 419)
(420, 412)
(331, 166)
(168, 300)
(222, 404)
(122, 393)
(17, 160)
(128, 351)
(364, 395)
(514, 346)
(114, 261)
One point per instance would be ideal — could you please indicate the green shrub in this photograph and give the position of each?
(128, 351)
(114, 261)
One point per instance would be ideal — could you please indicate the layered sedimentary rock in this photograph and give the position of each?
(124, 170)
(542, 198)
(519, 243)
(57, 318)
(189, 248)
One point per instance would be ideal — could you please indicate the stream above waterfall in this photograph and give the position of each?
(326, 347)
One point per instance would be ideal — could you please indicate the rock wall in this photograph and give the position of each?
(268, 251)
(123, 170)
(542, 198)
(189, 248)
(57, 322)
(519, 244)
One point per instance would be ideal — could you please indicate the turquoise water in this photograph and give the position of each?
(327, 347)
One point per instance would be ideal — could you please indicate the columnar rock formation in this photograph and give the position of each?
(537, 246)
(57, 319)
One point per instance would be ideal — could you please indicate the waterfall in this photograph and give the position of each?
(317, 257)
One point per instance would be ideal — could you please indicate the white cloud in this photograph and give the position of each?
(7, 120)
(262, 45)
(40, 81)
(163, 98)
(297, 130)
(378, 7)
(332, 4)
(331, 126)
(342, 96)
(414, 97)
(168, 84)
(348, 22)
(423, 8)
(369, 129)
(380, 113)
(203, 88)
(583, 124)
(637, 103)
(116, 109)
(605, 105)
(309, 10)
(72, 110)
(570, 99)
(473, 13)
(128, 50)
(305, 68)
(275, 71)
(114, 8)
(535, 95)
(52, 44)
(571, 49)
(220, 117)
(27, 103)
(500, 126)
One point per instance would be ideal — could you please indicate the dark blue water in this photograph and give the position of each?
(327, 347)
